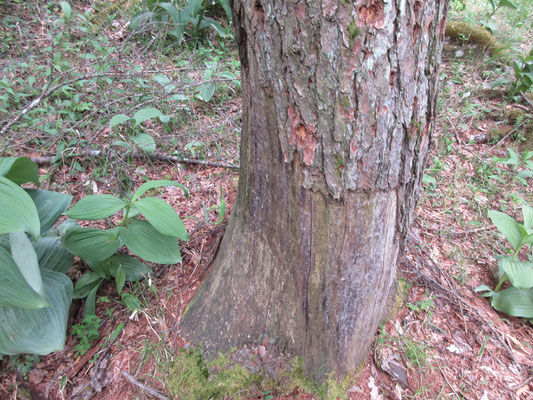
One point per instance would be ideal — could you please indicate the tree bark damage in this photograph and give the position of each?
(339, 104)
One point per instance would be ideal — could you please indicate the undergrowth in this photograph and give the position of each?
(190, 377)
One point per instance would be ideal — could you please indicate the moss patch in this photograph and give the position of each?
(241, 374)
(396, 299)
(462, 32)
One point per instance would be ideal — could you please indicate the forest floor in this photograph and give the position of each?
(445, 340)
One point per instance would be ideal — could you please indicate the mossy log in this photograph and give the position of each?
(462, 32)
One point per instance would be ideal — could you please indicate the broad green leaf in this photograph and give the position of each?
(514, 301)
(4, 242)
(140, 19)
(118, 119)
(50, 206)
(507, 3)
(85, 284)
(133, 268)
(18, 212)
(39, 331)
(528, 239)
(120, 279)
(172, 11)
(428, 179)
(26, 259)
(145, 114)
(162, 216)
(520, 273)
(97, 206)
(143, 240)
(145, 142)
(508, 227)
(527, 212)
(91, 243)
(210, 22)
(90, 302)
(179, 97)
(207, 91)
(131, 301)
(133, 212)
(486, 291)
(52, 255)
(19, 170)
(14, 290)
(67, 10)
(227, 8)
(122, 143)
(164, 119)
(153, 184)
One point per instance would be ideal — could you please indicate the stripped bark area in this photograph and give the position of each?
(339, 105)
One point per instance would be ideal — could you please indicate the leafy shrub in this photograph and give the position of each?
(192, 20)
(35, 292)
(152, 239)
(517, 299)
(523, 76)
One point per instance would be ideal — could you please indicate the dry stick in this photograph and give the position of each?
(160, 157)
(472, 231)
(501, 140)
(143, 387)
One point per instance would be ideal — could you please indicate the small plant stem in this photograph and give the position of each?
(500, 282)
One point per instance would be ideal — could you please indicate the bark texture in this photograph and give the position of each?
(339, 105)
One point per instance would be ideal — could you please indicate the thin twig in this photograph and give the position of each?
(138, 155)
(143, 387)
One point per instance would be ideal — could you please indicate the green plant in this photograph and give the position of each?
(192, 20)
(86, 332)
(523, 76)
(35, 292)
(517, 299)
(139, 138)
(522, 163)
(497, 4)
(152, 239)
(23, 363)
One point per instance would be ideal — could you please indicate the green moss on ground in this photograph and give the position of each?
(462, 32)
(190, 378)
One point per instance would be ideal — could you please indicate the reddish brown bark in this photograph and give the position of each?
(339, 105)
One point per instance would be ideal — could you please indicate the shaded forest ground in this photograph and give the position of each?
(445, 340)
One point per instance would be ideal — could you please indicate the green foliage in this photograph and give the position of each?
(517, 299)
(153, 239)
(179, 23)
(86, 332)
(35, 293)
(523, 76)
(139, 138)
(23, 363)
(191, 377)
(496, 5)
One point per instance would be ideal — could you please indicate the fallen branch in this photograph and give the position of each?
(143, 387)
(45, 160)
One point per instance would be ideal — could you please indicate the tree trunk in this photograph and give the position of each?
(339, 104)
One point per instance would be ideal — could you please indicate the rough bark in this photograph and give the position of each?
(339, 106)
